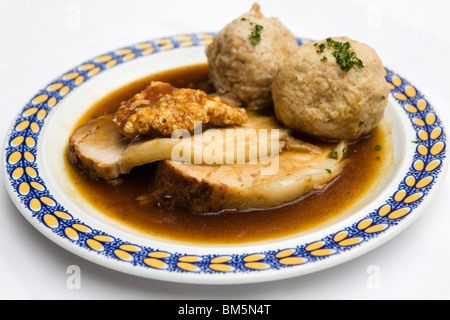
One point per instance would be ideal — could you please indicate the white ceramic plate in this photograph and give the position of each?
(34, 174)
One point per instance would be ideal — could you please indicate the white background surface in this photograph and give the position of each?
(40, 40)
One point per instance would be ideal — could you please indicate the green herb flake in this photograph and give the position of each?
(378, 147)
(255, 34)
(342, 53)
(334, 155)
(322, 47)
(328, 170)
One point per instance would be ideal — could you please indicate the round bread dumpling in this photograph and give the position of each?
(334, 89)
(245, 55)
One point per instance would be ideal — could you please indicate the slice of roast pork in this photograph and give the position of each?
(96, 148)
(214, 188)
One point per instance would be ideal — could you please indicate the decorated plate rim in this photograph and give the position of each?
(208, 264)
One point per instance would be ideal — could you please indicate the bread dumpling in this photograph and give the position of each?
(334, 89)
(245, 55)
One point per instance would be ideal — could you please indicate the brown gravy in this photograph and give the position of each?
(118, 201)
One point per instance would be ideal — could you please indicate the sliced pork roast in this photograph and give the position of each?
(96, 147)
(286, 174)
(212, 188)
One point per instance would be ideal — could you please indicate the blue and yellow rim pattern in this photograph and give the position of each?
(23, 178)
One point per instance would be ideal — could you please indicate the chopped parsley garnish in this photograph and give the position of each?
(341, 52)
(334, 155)
(322, 47)
(378, 147)
(328, 170)
(255, 34)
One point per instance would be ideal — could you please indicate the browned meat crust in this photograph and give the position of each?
(161, 109)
